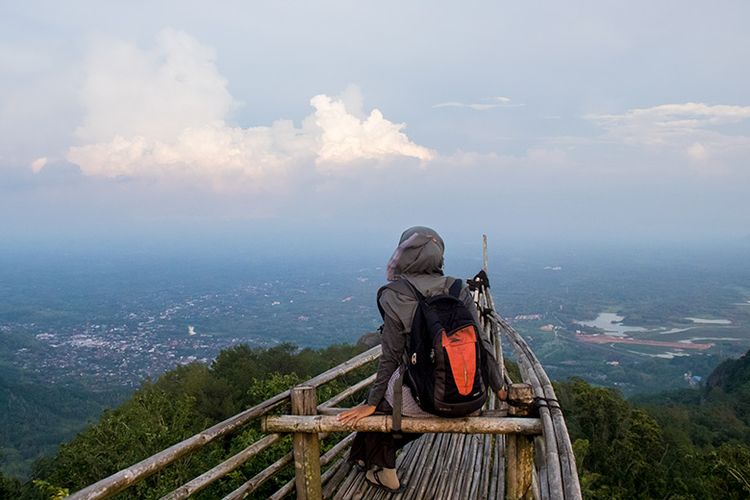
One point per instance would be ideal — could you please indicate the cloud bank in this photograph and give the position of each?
(163, 112)
(698, 130)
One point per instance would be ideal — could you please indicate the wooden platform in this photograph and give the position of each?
(435, 466)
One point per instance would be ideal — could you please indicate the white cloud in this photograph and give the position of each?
(163, 113)
(156, 93)
(695, 129)
(486, 104)
(346, 138)
(38, 164)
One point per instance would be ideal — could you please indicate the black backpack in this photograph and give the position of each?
(445, 357)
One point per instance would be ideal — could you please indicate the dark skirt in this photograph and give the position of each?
(378, 449)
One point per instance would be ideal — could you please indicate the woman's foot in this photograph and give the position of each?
(385, 479)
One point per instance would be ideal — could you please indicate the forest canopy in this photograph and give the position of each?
(686, 444)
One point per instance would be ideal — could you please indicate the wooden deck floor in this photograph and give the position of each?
(435, 466)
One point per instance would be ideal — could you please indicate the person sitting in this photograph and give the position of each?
(418, 259)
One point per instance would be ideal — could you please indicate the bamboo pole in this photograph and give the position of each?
(474, 465)
(340, 469)
(256, 481)
(126, 477)
(429, 442)
(520, 449)
(350, 391)
(456, 448)
(413, 460)
(137, 472)
(383, 423)
(345, 367)
(227, 466)
(519, 475)
(497, 340)
(306, 446)
(572, 488)
(541, 469)
(446, 445)
(485, 256)
(330, 474)
(285, 490)
(527, 362)
(486, 467)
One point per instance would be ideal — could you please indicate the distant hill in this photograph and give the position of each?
(37, 417)
(731, 375)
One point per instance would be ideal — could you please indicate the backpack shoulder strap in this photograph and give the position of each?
(401, 286)
(455, 288)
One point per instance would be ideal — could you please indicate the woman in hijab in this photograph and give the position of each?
(418, 259)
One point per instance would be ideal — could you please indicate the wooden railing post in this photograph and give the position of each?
(306, 446)
(519, 448)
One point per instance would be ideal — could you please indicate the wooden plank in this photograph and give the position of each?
(383, 423)
(306, 446)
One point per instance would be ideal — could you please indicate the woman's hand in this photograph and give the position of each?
(355, 414)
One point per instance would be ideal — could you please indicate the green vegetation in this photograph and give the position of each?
(686, 444)
(37, 417)
(692, 444)
(179, 404)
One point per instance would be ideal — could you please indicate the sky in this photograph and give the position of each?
(335, 124)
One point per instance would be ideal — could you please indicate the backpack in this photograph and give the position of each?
(445, 357)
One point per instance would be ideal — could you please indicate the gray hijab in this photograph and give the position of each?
(420, 251)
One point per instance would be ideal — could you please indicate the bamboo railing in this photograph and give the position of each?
(143, 469)
(532, 439)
